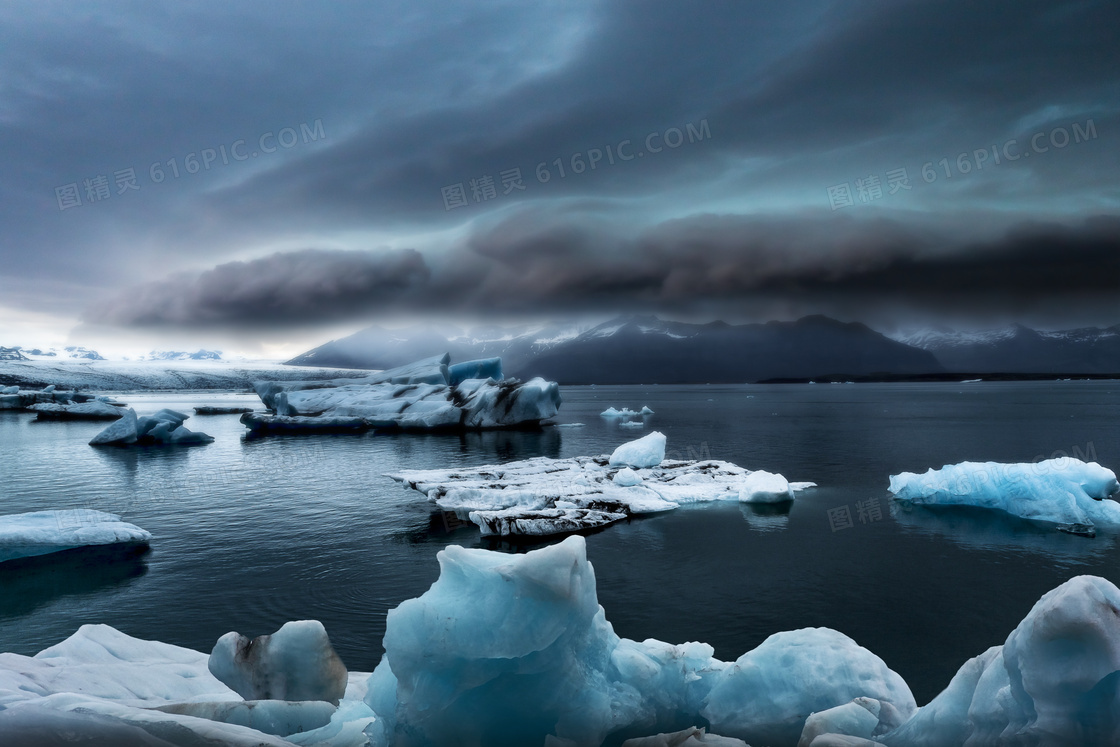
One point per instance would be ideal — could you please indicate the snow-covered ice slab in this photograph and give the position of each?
(44, 532)
(768, 487)
(1066, 491)
(427, 395)
(543, 496)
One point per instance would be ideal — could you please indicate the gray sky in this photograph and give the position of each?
(349, 163)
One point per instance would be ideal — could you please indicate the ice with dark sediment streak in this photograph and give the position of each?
(426, 395)
(297, 662)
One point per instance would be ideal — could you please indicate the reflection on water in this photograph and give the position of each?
(767, 517)
(982, 529)
(29, 583)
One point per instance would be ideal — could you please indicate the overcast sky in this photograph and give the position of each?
(299, 170)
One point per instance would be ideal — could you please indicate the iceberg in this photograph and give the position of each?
(1067, 492)
(43, 532)
(543, 496)
(427, 395)
(765, 487)
(612, 413)
(164, 427)
(296, 662)
(1053, 681)
(647, 451)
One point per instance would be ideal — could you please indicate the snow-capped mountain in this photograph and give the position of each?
(1019, 349)
(70, 352)
(178, 355)
(643, 349)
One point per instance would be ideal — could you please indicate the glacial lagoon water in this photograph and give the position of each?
(251, 533)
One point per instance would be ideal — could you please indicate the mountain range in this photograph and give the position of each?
(1019, 349)
(643, 349)
(646, 349)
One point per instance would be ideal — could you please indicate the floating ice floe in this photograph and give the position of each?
(93, 410)
(614, 414)
(43, 532)
(544, 496)
(768, 487)
(1067, 492)
(426, 395)
(162, 428)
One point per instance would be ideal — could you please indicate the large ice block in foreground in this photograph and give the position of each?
(1066, 491)
(43, 532)
(768, 694)
(544, 496)
(1055, 681)
(424, 396)
(513, 649)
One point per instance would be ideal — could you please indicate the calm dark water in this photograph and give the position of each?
(252, 533)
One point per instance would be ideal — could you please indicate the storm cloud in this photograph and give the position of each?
(710, 264)
(289, 288)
